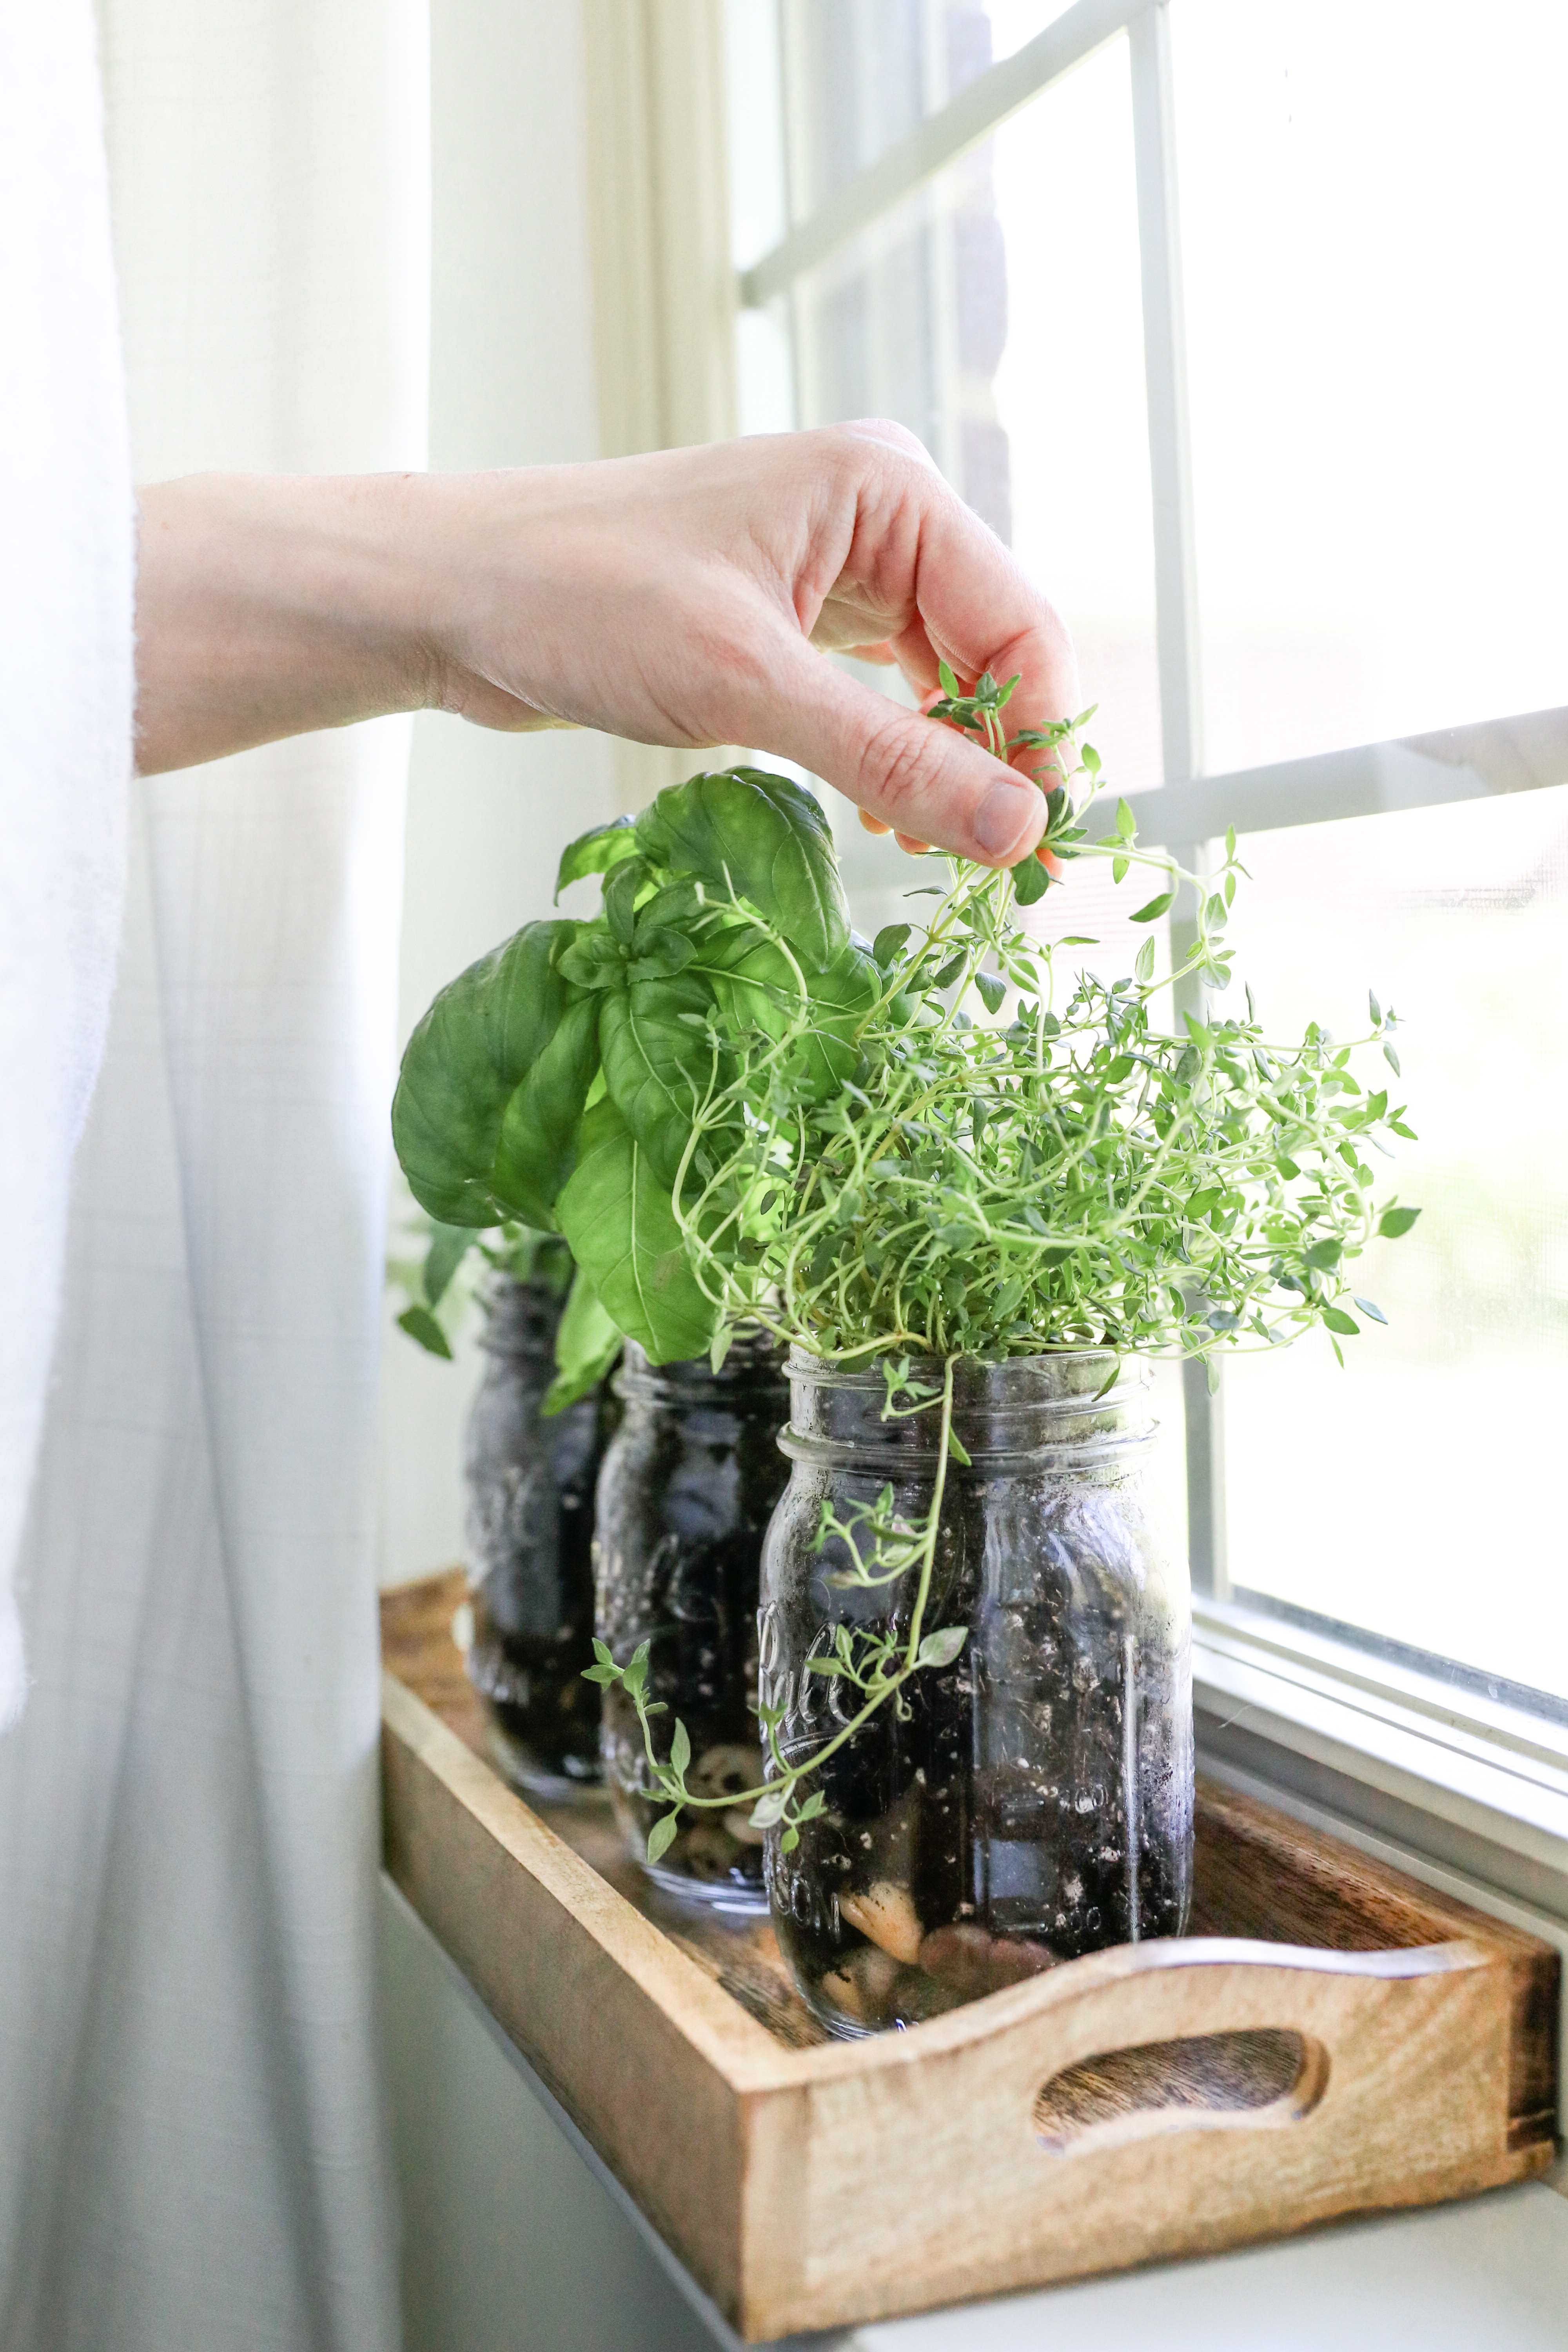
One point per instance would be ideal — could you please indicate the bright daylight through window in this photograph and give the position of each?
(1292, 465)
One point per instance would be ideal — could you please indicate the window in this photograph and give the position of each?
(1244, 326)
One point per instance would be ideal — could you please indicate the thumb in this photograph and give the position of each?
(917, 775)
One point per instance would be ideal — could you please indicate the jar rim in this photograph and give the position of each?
(1042, 1416)
(1129, 1370)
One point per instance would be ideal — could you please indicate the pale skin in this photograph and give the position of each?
(686, 598)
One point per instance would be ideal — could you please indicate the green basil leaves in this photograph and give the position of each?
(557, 1081)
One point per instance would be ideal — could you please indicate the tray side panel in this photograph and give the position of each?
(1259, 1872)
(605, 2022)
(924, 2182)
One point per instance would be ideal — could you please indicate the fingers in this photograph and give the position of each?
(920, 550)
(914, 774)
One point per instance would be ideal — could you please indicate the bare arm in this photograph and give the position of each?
(686, 598)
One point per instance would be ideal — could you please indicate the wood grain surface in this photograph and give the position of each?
(1331, 2038)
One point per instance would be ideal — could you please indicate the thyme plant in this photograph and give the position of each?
(900, 1155)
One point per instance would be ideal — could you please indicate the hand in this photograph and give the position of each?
(688, 598)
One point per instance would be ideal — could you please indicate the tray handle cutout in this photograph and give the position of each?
(1253, 2080)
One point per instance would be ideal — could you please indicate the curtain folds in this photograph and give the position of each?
(191, 2139)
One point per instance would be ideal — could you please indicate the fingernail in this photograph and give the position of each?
(1002, 816)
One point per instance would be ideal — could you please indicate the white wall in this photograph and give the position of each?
(512, 383)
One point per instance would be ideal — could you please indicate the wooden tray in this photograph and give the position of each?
(1332, 2037)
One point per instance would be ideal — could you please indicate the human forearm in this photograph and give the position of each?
(270, 605)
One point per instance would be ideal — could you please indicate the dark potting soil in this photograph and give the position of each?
(530, 1485)
(1028, 1803)
(684, 1501)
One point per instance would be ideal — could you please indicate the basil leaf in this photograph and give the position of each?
(616, 1216)
(587, 1344)
(763, 838)
(449, 1246)
(660, 954)
(620, 898)
(537, 1150)
(421, 1325)
(464, 1062)
(757, 990)
(658, 1067)
(596, 852)
(678, 906)
(593, 959)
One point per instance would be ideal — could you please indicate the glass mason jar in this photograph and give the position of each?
(1033, 1799)
(529, 1532)
(684, 1500)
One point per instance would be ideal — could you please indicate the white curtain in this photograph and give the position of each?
(191, 2154)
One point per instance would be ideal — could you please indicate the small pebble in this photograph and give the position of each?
(886, 1915)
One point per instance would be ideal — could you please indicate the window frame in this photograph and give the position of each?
(1449, 1783)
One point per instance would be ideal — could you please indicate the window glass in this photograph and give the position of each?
(862, 73)
(997, 314)
(1419, 1491)
(1374, 215)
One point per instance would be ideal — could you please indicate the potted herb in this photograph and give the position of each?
(685, 1496)
(970, 1198)
(531, 1452)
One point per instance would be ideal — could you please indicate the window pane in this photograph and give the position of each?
(1418, 1492)
(861, 73)
(1375, 214)
(998, 316)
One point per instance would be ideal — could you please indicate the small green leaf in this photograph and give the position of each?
(662, 1835)
(680, 1751)
(1394, 1221)
(1030, 881)
(993, 989)
(596, 852)
(1375, 1009)
(885, 947)
(950, 685)
(449, 1246)
(586, 1345)
(1392, 1058)
(1338, 1320)
(1367, 1307)
(1143, 965)
(956, 1448)
(1126, 823)
(939, 1649)
(769, 1808)
(1154, 908)
(1325, 1256)
(421, 1325)
(1119, 869)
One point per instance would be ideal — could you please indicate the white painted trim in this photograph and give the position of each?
(1165, 374)
(938, 142)
(1478, 1787)
(1492, 757)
